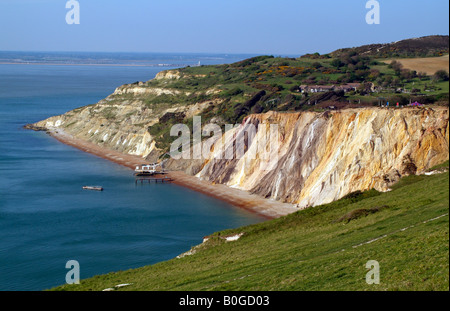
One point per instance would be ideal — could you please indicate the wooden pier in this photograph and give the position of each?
(142, 173)
(154, 179)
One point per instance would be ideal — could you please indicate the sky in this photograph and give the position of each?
(276, 27)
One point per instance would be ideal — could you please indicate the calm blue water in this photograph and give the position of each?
(45, 217)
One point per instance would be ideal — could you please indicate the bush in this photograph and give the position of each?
(295, 88)
(252, 60)
(401, 99)
(396, 66)
(362, 212)
(441, 75)
(316, 65)
(336, 63)
(230, 93)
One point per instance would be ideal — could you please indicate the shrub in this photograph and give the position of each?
(316, 65)
(358, 213)
(336, 63)
(396, 66)
(233, 92)
(441, 75)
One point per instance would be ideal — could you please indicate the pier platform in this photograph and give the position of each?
(154, 179)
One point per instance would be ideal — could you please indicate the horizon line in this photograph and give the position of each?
(148, 52)
(216, 53)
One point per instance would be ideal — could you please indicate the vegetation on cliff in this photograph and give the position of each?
(349, 78)
(226, 94)
(427, 46)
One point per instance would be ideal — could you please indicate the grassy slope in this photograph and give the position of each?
(311, 250)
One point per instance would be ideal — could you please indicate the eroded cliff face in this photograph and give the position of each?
(120, 122)
(321, 157)
(324, 156)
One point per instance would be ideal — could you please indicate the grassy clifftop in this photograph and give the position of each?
(323, 248)
(226, 94)
(266, 83)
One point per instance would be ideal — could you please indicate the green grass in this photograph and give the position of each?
(441, 166)
(437, 87)
(319, 248)
(383, 68)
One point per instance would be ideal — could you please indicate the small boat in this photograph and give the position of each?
(96, 188)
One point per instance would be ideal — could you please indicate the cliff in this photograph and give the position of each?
(121, 121)
(320, 156)
(325, 156)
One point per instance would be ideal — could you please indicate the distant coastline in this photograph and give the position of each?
(86, 64)
(116, 59)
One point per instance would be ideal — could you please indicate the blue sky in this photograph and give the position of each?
(278, 27)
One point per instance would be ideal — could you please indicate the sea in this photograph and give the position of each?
(46, 218)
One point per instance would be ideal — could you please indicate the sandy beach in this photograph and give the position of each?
(239, 198)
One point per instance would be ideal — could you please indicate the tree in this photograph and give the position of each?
(365, 88)
(316, 65)
(361, 74)
(421, 75)
(374, 74)
(395, 82)
(336, 63)
(295, 88)
(396, 66)
(441, 75)
(407, 74)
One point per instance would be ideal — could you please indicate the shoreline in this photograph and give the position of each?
(266, 208)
